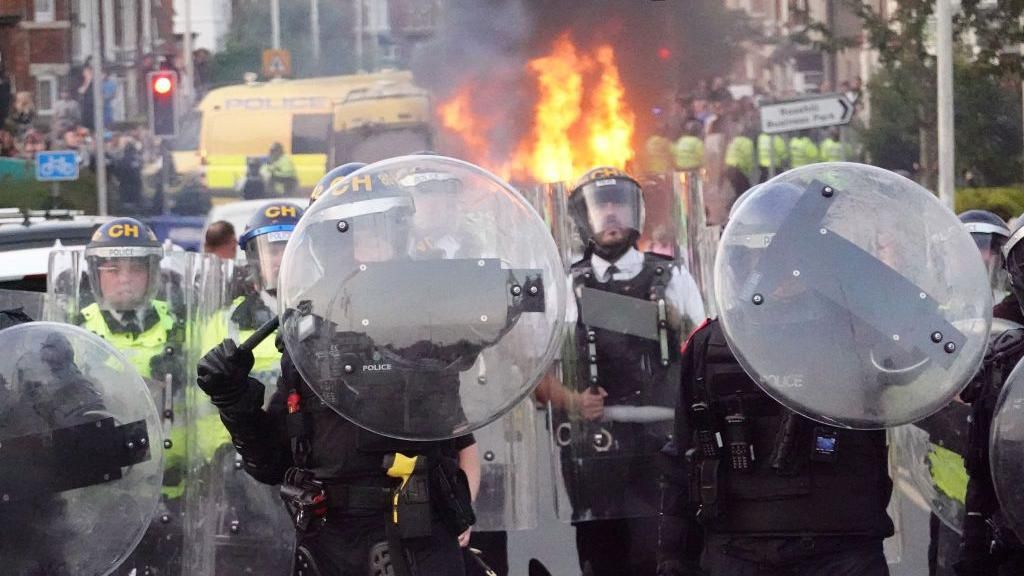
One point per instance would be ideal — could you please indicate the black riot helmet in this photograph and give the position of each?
(607, 206)
(332, 178)
(1013, 254)
(123, 258)
(374, 215)
(266, 235)
(990, 233)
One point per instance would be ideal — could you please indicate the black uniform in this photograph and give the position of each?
(299, 429)
(987, 545)
(774, 493)
(619, 484)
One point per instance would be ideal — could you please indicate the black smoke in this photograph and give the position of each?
(489, 42)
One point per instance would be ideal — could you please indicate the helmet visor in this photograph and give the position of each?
(264, 253)
(124, 278)
(991, 248)
(614, 207)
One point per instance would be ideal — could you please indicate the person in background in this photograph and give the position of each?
(279, 172)
(220, 240)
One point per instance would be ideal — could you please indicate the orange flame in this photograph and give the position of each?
(560, 81)
(457, 116)
(569, 134)
(610, 132)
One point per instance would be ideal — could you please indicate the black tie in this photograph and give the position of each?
(130, 322)
(612, 271)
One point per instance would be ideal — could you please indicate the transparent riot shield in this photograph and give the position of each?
(156, 335)
(236, 524)
(929, 456)
(80, 463)
(698, 238)
(1006, 449)
(852, 296)
(614, 391)
(507, 499)
(422, 297)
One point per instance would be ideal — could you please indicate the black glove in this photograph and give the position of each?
(223, 373)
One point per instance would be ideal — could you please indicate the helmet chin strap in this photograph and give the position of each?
(615, 251)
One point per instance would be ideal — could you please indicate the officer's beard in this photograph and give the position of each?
(613, 251)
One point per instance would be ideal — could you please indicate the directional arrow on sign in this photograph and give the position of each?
(820, 111)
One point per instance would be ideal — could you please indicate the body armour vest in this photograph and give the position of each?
(629, 368)
(340, 451)
(802, 478)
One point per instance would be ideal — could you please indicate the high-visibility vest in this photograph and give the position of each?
(140, 349)
(688, 152)
(740, 154)
(835, 151)
(802, 151)
(658, 155)
(764, 156)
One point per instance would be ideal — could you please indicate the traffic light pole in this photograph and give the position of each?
(944, 71)
(97, 111)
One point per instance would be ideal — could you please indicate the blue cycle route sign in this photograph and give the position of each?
(56, 166)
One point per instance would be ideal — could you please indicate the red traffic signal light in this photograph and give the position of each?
(162, 84)
(664, 53)
(163, 105)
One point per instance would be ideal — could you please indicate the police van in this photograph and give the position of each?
(320, 122)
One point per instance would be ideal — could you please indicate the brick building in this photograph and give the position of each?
(44, 43)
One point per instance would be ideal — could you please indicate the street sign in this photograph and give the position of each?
(277, 63)
(820, 111)
(56, 165)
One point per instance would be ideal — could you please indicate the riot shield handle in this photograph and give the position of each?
(260, 334)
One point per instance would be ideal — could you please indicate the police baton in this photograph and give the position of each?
(260, 334)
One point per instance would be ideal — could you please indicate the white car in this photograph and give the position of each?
(26, 240)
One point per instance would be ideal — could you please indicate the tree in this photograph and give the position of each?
(250, 34)
(903, 123)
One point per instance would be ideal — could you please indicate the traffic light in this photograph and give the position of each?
(163, 102)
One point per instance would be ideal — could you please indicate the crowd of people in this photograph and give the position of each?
(709, 127)
(71, 126)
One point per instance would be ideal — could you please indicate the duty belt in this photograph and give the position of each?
(353, 497)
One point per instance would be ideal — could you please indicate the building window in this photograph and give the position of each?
(45, 10)
(46, 94)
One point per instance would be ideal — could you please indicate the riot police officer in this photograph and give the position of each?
(123, 260)
(835, 322)
(248, 530)
(356, 346)
(945, 465)
(988, 544)
(76, 420)
(610, 430)
(991, 233)
(263, 241)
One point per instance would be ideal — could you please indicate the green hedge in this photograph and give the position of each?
(1007, 202)
(79, 195)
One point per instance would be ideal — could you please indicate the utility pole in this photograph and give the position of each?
(832, 65)
(147, 26)
(314, 30)
(97, 110)
(275, 23)
(189, 82)
(359, 35)
(944, 70)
